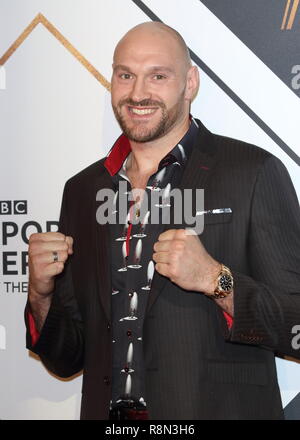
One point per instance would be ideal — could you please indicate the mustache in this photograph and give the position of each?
(143, 103)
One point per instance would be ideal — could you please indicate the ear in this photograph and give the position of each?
(192, 83)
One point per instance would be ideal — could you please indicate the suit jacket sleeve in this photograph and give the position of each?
(60, 345)
(267, 303)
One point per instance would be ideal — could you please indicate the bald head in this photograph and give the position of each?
(162, 35)
(153, 83)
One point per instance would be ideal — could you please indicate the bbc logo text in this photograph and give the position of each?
(13, 207)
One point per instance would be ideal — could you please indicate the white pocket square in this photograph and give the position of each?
(215, 211)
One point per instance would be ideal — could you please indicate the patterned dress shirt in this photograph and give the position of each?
(132, 267)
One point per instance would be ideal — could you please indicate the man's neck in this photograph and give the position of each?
(145, 157)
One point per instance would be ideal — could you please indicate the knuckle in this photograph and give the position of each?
(32, 237)
(158, 267)
(57, 235)
(178, 245)
(64, 246)
(35, 237)
(161, 236)
(64, 255)
(59, 267)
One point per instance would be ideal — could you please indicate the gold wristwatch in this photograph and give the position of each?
(224, 283)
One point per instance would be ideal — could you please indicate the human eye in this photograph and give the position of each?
(159, 76)
(125, 76)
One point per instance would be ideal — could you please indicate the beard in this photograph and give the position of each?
(140, 133)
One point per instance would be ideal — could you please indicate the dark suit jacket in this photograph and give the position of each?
(195, 367)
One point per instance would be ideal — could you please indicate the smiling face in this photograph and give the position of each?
(151, 89)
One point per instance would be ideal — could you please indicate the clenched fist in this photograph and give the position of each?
(47, 255)
(180, 256)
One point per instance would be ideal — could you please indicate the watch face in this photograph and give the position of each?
(226, 283)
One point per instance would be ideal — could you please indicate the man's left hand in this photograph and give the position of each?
(180, 256)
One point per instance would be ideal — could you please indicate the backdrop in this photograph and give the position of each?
(56, 118)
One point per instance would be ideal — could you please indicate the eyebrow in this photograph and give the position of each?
(151, 69)
(162, 69)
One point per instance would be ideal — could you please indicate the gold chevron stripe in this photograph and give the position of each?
(287, 7)
(293, 14)
(40, 18)
(289, 24)
(20, 40)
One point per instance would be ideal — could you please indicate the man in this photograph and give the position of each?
(196, 339)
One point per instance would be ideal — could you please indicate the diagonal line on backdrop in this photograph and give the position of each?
(293, 14)
(229, 92)
(40, 18)
(292, 409)
(287, 7)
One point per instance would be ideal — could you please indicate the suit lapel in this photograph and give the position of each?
(103, 247)
(198, 169)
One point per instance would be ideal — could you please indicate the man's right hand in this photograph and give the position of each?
(47, 255)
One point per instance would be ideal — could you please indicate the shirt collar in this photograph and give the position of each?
(181, 151)
(116, 158)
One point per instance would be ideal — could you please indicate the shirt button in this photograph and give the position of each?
(106, 380)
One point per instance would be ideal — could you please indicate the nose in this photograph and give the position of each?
(139, 90)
